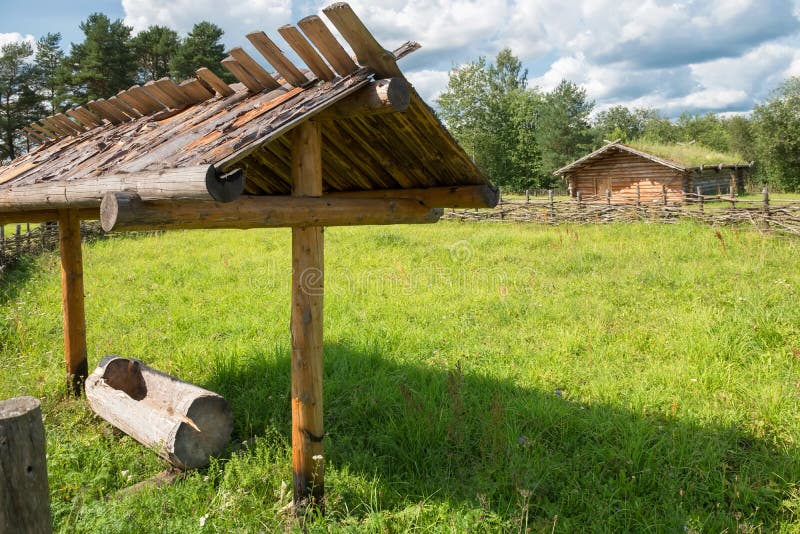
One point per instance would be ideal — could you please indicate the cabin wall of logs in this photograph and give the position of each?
(629, 177)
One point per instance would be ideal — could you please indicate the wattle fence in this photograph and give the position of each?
(781, 216)
(25, 239)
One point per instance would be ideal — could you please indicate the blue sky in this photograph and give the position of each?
(694, 55)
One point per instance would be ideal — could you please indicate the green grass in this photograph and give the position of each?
(478, 378)
(688, 155)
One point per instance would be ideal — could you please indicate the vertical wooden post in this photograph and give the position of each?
(24, 494)
(2, 241)
(733, 197)
(700, 200)
(69, 241)
(552, 205)
(608, 197)
(527, 196)
(766, 207)
(580, 200)
(306, 326)
(664, 192)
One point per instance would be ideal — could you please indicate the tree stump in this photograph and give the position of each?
(184, 423)
(24, 494)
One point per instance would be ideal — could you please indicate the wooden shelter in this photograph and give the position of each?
(630, 174)
(346, 142)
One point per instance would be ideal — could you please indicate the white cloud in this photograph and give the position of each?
(716, 55)
(236, 18)
(14, 37)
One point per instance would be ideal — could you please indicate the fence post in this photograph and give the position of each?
(552, 207)
(527, 196)
(664, 192)
(580, 200)
(2, 241)
(24, 494)
(638, 197)
(700, 200)
(733, 197)
(766, 207)
(28, 235)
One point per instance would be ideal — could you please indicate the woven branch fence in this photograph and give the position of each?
(718, 210)
(27, 239)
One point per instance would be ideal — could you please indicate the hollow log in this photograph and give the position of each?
(126, 212)
(381, 96)
(184, 423)
(188, 183)
(24, 494)
(460, 196)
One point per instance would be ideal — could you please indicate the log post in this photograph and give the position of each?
(24, 494)
(766, 207)
(664, 192)
(527, 196)
(69, 241)
(608, 197)
(306, 327)
(552, 206)
(700, 200)
(638, 196)
(580, 200)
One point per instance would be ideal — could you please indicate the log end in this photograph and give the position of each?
(17, 407)
(492, 196)
(225, 187)
(110, 208)
(397, 91)
(206, 433)
(434, 215)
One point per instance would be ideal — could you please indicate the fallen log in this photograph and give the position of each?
(187, 183)
(184, 423)
(126, 212)
(24, 494)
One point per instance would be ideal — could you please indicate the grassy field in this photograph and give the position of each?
(478, 378)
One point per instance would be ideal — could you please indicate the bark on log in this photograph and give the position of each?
(185, 423)
(381, 96)
(125, 212)
(24, 494)
(72, 300)
(189, 183)
(462, 196)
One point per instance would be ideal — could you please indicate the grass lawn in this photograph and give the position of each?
(478, 377)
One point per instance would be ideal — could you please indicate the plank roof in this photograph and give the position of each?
(247, 128)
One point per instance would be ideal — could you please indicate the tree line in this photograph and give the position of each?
(519, 134)
(37, 81)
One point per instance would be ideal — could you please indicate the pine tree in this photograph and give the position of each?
(19, 103)
(201, 48)
(49, 71)
(154, 49)
(103, 64)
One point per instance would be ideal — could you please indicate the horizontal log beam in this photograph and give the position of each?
(188, 183)
(460, 196)
(40, 216)
(127, 212)
(381, 96)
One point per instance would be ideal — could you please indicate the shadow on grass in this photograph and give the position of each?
(523, 454)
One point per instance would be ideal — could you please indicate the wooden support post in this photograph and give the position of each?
(766, 207)
(306, 327)
(552, 205)
(69, 240)
(527, 196)
(664, 192)
(700, 200)
(24, 494)
(580, 200)
(608, 197)
(733, 197)
(638, 196)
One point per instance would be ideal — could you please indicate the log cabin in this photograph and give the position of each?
(345, 141)
(631, 174)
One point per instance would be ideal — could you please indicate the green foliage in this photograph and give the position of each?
(19, 103)
(50, 72)
(478, 378)
(514, 132)
(563, 132)
(154, 49)
(777, 128)
(619, 122)
(689, 155)
(103, 64)
(201, 48)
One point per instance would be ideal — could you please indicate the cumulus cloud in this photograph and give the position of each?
(697, 55)
(14, 37)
